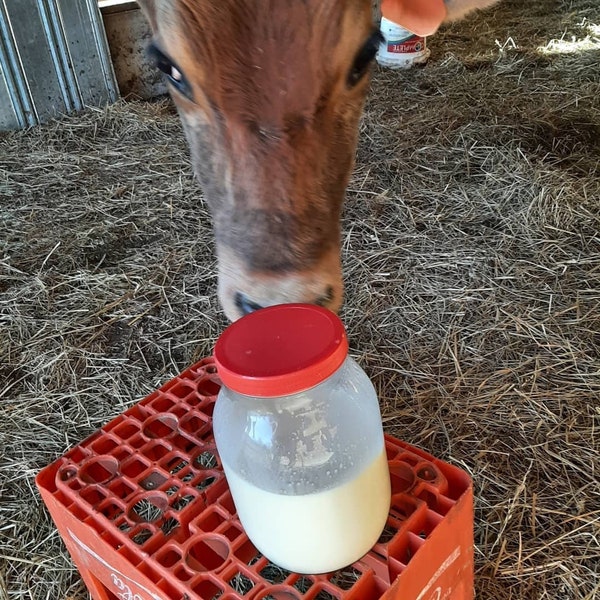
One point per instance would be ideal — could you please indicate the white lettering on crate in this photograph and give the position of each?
(124, 588)
(437, 593)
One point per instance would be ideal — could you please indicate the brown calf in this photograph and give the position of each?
(270, 93)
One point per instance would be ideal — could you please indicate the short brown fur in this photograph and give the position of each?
(272, 121)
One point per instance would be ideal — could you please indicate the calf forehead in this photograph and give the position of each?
(248, 17)
(262, 56)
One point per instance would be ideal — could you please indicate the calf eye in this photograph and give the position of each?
(174, 75)
(364, 57)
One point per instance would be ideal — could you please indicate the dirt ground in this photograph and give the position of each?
(471, 252)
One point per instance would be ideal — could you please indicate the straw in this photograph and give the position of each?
(471, 252)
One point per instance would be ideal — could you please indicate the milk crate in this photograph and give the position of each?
(144, 509)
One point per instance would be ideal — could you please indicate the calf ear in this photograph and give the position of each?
(422, 17)
(149, 11)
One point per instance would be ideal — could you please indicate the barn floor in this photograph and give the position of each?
(472, 257)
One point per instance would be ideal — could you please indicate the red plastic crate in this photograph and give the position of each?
(145, 512)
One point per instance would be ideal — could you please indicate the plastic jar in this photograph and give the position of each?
(298, 429)
(400, 48)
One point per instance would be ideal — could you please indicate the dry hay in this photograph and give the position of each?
(472, 257)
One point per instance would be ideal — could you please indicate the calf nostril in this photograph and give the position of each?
(244, 304)
(326, 298)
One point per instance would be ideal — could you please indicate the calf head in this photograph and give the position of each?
(270, 93)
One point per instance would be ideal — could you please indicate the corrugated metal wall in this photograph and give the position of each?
(54, 59)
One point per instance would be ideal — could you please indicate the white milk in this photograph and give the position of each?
(316, 533)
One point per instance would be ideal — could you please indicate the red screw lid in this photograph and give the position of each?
(281, 350)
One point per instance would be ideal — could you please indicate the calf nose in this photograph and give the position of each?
(242, 290)
(244, 304)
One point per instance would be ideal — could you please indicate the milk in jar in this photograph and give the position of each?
(298, 430)
(288, 529)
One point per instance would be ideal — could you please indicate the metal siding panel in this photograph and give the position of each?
(88, 49)
(35, 55)
(62, 56)
(54, 58)
(15, 105)
(9, 119)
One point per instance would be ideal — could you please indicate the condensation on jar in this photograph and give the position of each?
(298, 429)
